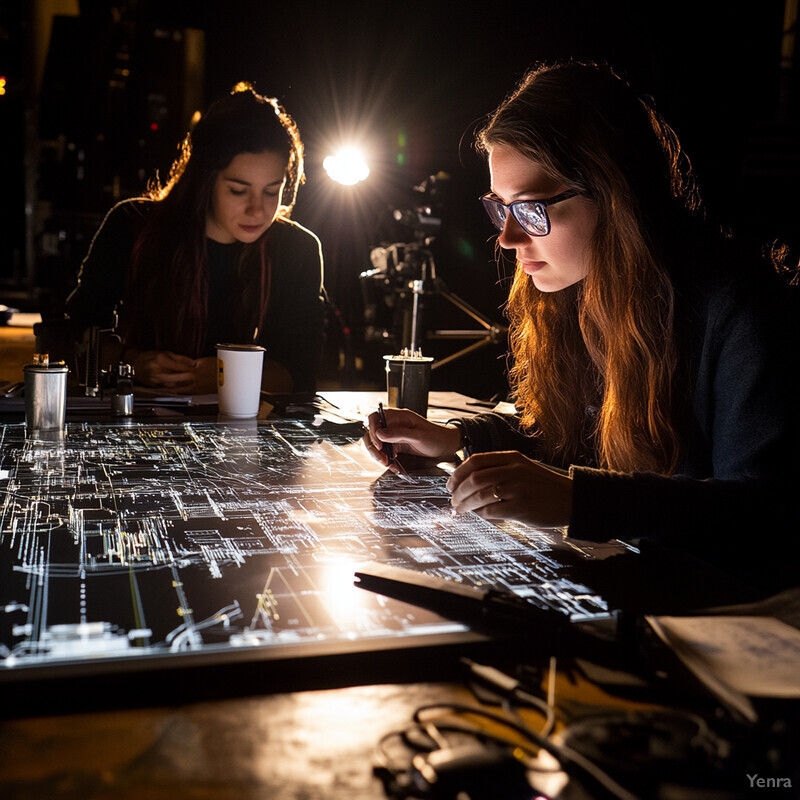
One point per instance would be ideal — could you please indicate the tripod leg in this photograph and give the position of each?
(464, 351)
(464, 306)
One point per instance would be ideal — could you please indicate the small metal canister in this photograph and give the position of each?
(121, 382)
(45, 396)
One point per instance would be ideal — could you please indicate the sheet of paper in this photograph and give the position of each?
(737, 657)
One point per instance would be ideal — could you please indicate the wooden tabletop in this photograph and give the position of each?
(313, 745)
(300, 745)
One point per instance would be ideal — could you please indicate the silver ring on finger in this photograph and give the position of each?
(496, 493)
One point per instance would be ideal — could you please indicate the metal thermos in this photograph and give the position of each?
(408, 378)
(122, 392)
(45, 396)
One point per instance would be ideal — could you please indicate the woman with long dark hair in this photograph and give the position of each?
(212, 256)
(649, 362)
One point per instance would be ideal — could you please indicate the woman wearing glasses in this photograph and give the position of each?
(647, 370)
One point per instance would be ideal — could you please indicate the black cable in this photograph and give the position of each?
(570, 760)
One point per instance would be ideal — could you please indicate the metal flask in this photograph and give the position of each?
(45, 397)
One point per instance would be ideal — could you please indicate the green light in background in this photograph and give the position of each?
(465, 248)
(402, 141)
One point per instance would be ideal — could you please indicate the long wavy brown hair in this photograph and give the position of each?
(166, 297)
(598, 369)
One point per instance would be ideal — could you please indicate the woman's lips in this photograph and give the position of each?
(251, 228)
(530, 267)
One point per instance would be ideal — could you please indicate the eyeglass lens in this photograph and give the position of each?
(531, 216)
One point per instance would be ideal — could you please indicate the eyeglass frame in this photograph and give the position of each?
(549, 201)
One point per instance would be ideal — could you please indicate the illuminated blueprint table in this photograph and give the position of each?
(140, 544)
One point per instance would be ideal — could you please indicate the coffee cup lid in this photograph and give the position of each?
(243, 347)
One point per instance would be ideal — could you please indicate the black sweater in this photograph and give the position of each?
(731, 502)
(293, 329)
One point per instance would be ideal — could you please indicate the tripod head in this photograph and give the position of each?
(425, 218)
(402, 271)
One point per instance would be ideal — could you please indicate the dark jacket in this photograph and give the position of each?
(293, 329)
(731, 501)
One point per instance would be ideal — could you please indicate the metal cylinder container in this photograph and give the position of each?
(121, 380)
(122, 405)
(45, 396)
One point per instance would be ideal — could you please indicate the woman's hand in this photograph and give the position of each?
(176, 373)
(410, 433)
(508, 485)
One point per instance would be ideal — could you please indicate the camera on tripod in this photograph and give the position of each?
(402, 272)
(397, 290)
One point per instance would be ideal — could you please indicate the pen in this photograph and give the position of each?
(466, 445)
(386, 447)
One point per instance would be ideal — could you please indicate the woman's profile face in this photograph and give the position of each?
(561, 258)
(245, 197)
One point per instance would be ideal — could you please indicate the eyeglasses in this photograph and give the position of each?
(530, 214)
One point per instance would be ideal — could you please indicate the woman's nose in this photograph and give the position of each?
(255, 206)
(512, 234)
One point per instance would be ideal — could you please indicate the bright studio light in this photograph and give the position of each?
(346, 167)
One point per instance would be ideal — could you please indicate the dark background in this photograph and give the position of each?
(95, 109)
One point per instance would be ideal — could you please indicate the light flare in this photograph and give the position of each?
(347, 166)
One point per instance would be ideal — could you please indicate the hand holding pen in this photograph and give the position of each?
(406, 432)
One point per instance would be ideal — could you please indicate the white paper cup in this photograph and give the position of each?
(239, 379)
